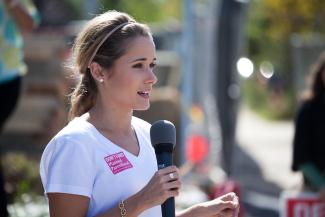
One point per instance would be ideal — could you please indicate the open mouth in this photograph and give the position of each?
(143, 93)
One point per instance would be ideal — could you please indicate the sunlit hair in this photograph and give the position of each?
(316, 83)
(84, 95)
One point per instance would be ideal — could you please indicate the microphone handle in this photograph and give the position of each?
(165, 159)
(168, 208)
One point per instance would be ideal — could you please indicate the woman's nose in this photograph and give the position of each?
(152, 78)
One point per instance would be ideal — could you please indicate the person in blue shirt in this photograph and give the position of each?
(16, 18)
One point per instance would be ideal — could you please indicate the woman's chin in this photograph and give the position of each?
(142, 108)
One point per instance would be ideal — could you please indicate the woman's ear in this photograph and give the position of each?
(96, 72)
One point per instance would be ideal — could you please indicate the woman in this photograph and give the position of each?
(102, 163)
(309, 148)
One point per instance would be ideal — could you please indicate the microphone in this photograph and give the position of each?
(163, 139)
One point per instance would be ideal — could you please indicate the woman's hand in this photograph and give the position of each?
(224, 206)
(163, 185)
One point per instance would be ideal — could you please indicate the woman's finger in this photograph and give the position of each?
(173, 185)
(168, 170)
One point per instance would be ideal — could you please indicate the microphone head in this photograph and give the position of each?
(163, 132)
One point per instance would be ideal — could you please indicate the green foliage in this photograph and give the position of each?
(271, 103)
(29, 205)
(272, 22)
(143, 10)
(21, 175)
(146, 10)
(269, 28)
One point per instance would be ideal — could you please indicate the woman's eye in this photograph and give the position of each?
(138, 65)
(152, 65)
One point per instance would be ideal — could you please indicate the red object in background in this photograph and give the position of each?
(226, 187)
(197, 148)
(302, 204)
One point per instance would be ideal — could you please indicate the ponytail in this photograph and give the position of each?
(83, 97)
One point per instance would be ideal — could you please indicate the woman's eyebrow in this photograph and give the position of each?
(141, 59)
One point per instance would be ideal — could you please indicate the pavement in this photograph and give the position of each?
(261, 163)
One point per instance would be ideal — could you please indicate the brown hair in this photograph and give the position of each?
(84, 95)
(316, 81)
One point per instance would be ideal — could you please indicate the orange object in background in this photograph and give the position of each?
(197, 148)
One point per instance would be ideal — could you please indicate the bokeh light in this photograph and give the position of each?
(245, 67)
(267, 69)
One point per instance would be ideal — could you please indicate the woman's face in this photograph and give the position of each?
(129, 83)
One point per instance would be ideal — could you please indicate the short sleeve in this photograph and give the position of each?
(67, 167)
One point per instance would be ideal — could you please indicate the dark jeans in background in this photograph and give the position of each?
(9, 94)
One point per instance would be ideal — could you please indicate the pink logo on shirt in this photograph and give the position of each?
(118, 162)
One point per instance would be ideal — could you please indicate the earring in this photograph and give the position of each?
(101, 80)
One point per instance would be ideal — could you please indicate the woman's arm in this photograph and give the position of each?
(22, 17)
(160, 187)
(226, 205)
(313, 175)
(71, 205)
(65, 205)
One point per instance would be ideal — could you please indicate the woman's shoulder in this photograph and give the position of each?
(307, 111)
(68, 129)
(308, 106)
(305, 106)
(76, 131)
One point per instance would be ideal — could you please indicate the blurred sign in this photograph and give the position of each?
(301, 204)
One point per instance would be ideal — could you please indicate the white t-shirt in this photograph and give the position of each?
(80, 160)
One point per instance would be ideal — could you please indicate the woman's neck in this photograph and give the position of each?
(115, 124)
(110, 118)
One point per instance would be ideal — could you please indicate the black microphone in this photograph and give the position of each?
(163, 139)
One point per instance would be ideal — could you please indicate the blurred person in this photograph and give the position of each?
(102, 163)
(309, 140)
(275, 83)
(16, 18)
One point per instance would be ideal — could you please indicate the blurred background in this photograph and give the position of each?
(231, 73)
